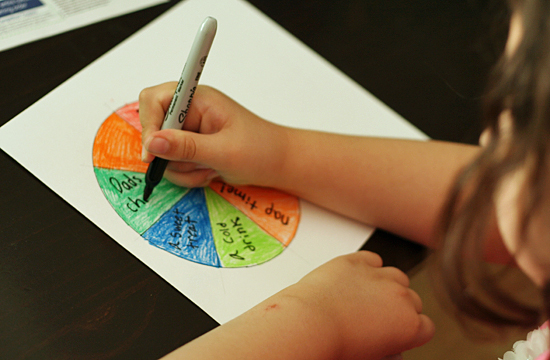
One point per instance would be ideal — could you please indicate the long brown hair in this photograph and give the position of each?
(520, 84)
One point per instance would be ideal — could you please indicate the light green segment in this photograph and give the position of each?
(124, 190)
(239, 241)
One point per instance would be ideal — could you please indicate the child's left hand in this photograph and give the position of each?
(370, 307)
(349, 308)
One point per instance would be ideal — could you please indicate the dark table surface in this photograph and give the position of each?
(68, 291)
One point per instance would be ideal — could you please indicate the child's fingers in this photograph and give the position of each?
(192, 179)
(189, 174)
(425, 331)
(370, 258)
(397, 275)
(416, 300)
(184, 167)
(186, 146)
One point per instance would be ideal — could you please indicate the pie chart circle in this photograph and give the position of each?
(220, 225)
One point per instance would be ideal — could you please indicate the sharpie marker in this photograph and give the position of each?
(177, 111)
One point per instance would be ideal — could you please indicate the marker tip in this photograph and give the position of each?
(147, 192)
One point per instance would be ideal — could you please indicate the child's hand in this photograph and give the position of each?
(371, 309)
(349, 308)
(221, 139)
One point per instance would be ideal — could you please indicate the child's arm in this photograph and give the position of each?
(397, 185)
(349, 308)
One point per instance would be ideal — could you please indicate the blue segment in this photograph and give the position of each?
(8, 7)
(185, 230)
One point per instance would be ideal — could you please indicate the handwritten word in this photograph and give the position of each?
(135, 204)
(277, 214)
(191, 233)
(240, 194)
(236, 233)
(178, 224)
(128, 184)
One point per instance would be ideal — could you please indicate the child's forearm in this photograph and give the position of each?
(278, 328)
(398, 185)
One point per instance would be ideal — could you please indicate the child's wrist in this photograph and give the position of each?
(281, 170)
(272, 169)
(310, 326)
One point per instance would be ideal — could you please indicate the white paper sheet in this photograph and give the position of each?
(254, 61)
(23, 21)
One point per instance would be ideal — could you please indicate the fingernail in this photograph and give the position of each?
(158, 145)
(143, 154)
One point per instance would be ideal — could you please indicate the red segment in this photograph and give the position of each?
(130, 114)
(276, 212)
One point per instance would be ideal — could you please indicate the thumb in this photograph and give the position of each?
(183, 146)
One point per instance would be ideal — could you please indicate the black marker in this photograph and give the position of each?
(177, 112)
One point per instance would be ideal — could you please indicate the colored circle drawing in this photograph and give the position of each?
(220, 225)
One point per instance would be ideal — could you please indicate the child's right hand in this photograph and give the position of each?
(377, 181)
(220, 138)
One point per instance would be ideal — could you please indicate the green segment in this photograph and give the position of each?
(124, 190)
(239, 241)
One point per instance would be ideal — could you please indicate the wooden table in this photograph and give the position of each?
(68, 291)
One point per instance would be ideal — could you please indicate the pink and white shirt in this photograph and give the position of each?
(534, 348)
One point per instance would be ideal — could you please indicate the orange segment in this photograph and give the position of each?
(276, 212)
(118, 146)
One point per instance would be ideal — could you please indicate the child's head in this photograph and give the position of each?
(510, 181)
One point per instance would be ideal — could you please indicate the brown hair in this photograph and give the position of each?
(519, 83)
